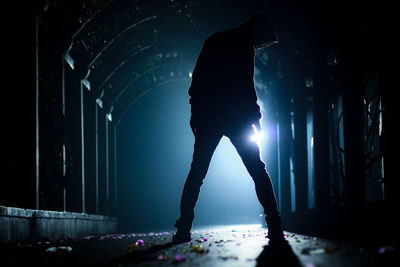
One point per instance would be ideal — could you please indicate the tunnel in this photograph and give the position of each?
(98, 141)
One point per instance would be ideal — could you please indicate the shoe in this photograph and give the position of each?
(275, 231)
(181, 237)
(276, 238)
(183, 231)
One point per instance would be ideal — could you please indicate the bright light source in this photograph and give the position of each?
(99, 102)
(109, 116)
(69, 60)
(257, 136)
(86, 83)
(190, 74)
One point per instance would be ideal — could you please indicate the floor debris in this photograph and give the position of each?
(213, 246)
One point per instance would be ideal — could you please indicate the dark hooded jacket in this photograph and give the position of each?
(222, 90)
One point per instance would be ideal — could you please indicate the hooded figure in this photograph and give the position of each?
(224, 102)
(222, 90)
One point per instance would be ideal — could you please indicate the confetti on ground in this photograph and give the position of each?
(213, 247)
(179, 258)
(139, 243)
(162, 257)
(60, 250)
(386, 249)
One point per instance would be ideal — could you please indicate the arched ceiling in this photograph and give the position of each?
(123, 47)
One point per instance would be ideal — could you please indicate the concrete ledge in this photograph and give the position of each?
(18, 224)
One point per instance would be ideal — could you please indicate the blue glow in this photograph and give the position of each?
(257, 136)
(228, 194)
(158, 164)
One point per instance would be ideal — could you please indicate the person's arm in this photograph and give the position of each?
(198, 84)
(199, 73)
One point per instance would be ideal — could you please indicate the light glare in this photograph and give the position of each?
(257, 136)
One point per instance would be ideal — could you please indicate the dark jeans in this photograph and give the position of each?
(206, 141)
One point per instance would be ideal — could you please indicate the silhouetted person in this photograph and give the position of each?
(224, 102)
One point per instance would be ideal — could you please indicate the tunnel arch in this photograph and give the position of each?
(113, 53)
(134, 35)
(137, 98)
(116, 80)
(56, 127)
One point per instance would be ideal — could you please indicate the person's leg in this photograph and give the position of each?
(250, 154)
(204, 146)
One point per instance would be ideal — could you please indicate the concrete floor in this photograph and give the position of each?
(236, 245)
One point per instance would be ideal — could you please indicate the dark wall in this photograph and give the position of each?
(17, 169)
